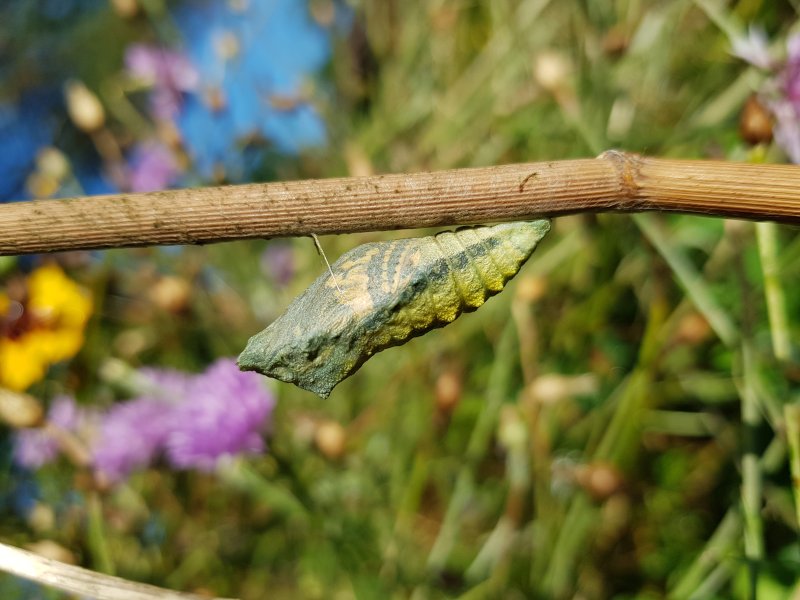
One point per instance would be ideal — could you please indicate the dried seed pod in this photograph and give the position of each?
(448, 387)
(20, 410)
(331, 439)
(383, 294)
(84, 107)
(755, 122)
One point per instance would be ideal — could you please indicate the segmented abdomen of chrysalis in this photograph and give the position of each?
(383, 294)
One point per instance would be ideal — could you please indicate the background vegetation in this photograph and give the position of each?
(614, 425)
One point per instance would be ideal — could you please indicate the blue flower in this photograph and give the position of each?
(28, 126)
(246, 58)
(25, 128)
(92, 181)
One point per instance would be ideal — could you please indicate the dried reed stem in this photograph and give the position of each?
(80, 581)
(616, 182)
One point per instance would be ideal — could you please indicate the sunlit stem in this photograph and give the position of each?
(751, 472)
(767, 236)
(792, 416)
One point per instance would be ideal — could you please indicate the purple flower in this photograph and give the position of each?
(168, 384)
(169, 73)
(223, 415)
(789, 77)
(36, 447)
(196, 420)
(787, 127)
(131, 435)
(152, 167)
(781, 91)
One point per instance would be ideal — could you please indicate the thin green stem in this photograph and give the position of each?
(618, 445)
(767, 237)
(716, 12)
(240, 475)
(752, 419)
(98, 544)
(477, 446)
(513, 435)
(791, 414)
(570, 545)
(718, 546)
(709, 587)
(691, 280)
(724, 542)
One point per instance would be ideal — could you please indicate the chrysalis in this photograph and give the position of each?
(387, 293)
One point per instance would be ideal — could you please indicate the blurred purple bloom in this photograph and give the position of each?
(790, 75)
(780, 92)
(152, 167)
(65, 413)
(786, 130)
(277, 262)
(131, 435)
(782, 96)
(168, 384)
(196, 420)
(36, 447)
(224, 415)
(170, 73)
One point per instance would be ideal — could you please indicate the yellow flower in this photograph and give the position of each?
(44, 328)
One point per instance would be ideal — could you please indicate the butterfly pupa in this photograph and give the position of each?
(382, 294)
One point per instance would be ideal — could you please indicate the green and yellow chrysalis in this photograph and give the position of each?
(382, 295)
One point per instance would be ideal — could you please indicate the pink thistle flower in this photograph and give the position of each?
(781, 91)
